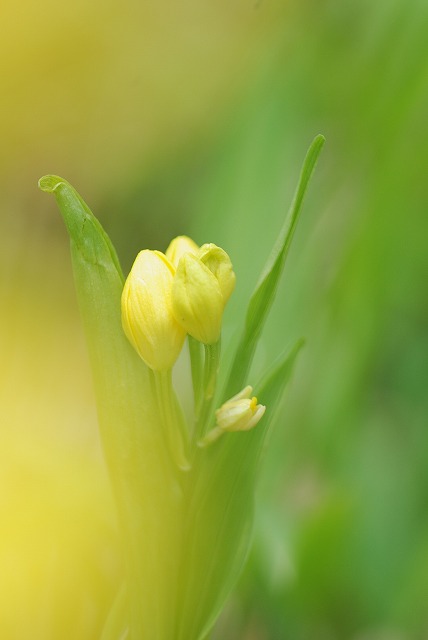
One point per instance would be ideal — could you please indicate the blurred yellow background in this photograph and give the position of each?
(194, 117)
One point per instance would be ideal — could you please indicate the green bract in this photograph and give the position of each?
(184, 492)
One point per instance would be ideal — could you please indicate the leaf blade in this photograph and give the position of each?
(266, 287)
(220, 518)
(129, 425)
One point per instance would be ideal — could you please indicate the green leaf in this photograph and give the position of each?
(85, 231)
(120, 377)
(271, 387)
(115, 626)
(129, 425)
(264, 293)
(220, 517)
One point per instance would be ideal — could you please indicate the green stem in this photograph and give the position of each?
(195, 352)
(211, 365)
(172, 417)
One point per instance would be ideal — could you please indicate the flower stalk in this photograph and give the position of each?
(175, 427)
(209, 385)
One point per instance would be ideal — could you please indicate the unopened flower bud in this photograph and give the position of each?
(197, 300)
(178, 247)
(202, 286)
(147, 317)
(240, 413)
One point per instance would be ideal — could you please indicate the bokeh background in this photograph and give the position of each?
(193, 117)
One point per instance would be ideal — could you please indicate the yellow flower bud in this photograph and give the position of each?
(147, 317)
(218, 262)
(202, 285)
(178, 247)
(197, 300)
(240, 413)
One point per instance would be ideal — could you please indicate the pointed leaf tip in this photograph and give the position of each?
(84, 229)
(49, 183)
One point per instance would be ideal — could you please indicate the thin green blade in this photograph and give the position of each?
(271, 388)
(264, 293)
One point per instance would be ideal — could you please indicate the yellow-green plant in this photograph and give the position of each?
(184, 488)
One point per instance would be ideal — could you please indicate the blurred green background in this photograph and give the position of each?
(194, 117)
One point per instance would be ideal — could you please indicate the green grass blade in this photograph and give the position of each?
(264, 293)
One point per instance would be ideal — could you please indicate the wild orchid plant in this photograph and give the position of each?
(184, 487)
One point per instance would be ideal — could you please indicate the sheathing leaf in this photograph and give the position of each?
(142, 479)
(220, 518)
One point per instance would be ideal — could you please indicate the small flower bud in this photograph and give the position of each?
(147, 317)
(240, 413)
(178, 247)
